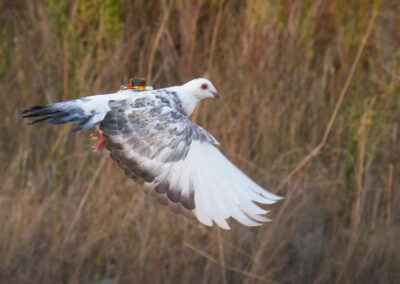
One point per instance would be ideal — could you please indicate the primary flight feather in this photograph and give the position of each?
(151, 138)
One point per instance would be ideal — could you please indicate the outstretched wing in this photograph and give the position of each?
(160, 148)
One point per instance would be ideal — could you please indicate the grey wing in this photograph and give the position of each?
(147, 141)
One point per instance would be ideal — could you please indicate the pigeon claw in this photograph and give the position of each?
(100, 144)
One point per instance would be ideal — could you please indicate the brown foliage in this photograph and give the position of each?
(70, 216)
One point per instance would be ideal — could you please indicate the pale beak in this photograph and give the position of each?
(215, 94)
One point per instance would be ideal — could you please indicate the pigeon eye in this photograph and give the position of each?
(204, 86)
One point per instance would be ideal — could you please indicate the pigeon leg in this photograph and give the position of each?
(99, 145)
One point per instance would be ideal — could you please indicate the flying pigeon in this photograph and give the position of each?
(149, 135)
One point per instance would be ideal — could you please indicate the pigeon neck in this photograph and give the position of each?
(186, 101)
(189, 102)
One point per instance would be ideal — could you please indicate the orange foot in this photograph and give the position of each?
(99, 145)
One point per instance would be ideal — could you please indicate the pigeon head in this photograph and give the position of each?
(190, 93)
(201, 88)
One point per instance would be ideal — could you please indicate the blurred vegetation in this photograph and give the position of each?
(70, 216)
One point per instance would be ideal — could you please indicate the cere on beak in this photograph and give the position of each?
(215, 94)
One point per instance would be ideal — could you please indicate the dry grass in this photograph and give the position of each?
(70, 216)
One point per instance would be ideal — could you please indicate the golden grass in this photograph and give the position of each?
(309, 108)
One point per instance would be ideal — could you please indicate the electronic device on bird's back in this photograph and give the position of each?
(137, 84)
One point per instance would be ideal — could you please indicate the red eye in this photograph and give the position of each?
(204, 86)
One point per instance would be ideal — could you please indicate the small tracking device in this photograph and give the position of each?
(137, 84)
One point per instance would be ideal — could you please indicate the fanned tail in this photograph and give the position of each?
(75, 111)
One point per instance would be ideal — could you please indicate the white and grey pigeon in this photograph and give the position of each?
(151, 138)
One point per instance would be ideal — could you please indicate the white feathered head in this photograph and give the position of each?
(201, 88)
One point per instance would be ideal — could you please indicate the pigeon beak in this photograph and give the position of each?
(215, 94)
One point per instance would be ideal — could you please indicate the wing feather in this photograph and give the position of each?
(219, 192)
(177, 160)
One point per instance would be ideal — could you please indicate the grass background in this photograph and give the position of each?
(70, 216)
